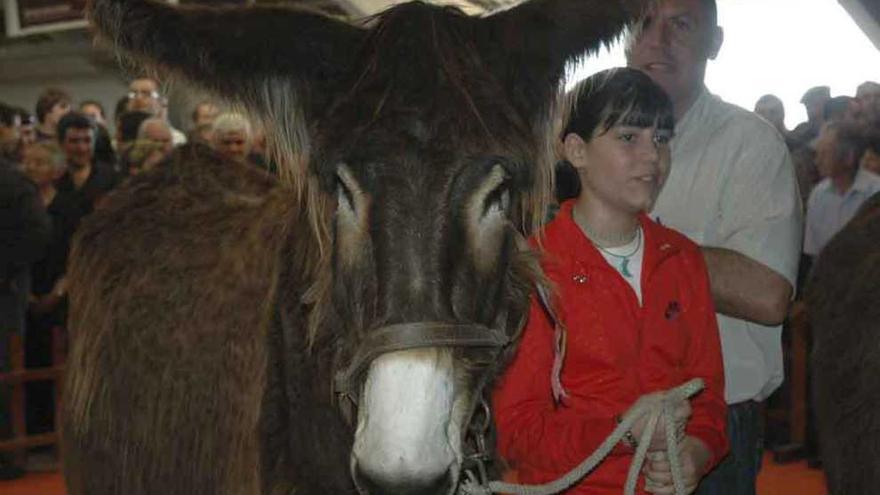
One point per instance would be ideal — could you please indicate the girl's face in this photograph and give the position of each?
(624, 168)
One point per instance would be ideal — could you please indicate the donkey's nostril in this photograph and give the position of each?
(389, 484)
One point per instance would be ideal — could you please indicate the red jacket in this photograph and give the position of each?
(617, 351)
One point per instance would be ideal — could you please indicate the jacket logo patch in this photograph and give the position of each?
(580, 278)
(672, 310)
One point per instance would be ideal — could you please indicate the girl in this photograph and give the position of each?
(633, 299)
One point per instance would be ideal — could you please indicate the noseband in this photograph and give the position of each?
(417, 335)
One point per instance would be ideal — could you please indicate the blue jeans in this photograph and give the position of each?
(738, 472)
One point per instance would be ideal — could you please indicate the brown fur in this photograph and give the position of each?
(192, 369)
(844, 313)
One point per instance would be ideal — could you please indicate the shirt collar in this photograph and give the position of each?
(658, 245)
(695, 113)
(861, 182)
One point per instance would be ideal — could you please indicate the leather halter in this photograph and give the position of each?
(404, 336)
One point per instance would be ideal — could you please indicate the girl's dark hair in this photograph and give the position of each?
(619, 96)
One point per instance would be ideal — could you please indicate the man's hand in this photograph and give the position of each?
(680, 415)
(694, 456)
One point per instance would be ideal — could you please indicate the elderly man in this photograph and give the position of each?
(844, 188)
(772, 109)
(732, 190)
(232, 137)
(158, 131)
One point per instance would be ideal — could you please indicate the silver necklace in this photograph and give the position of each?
(612, 240)
(624, 258)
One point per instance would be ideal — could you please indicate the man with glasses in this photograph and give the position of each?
(144, 96)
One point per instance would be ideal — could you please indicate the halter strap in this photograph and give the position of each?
(404, 336)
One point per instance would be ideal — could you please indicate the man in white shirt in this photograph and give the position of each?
(844, 187)
(732, 190)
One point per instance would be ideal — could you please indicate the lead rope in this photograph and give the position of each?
(661, 407)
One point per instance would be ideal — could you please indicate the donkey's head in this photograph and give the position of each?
(427, 131)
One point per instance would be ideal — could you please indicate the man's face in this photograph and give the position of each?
(676, 39)
(773, 112)
(39, 166)
(815, 108)
(871, 161)
(78, 146)
(830, 162)
(93, 112)
(868, 100)
(158, 133)
(234, 145)
(59, 110)
(143, 95)
(205, 114)
(10, 140)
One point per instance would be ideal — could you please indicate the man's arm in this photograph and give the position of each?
(746, 289)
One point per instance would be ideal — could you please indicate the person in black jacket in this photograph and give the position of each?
(25, 230)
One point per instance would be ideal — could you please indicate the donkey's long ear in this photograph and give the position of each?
(279, 62)
(540, 36)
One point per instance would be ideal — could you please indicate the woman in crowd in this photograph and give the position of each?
(43, 164)
(632, 298)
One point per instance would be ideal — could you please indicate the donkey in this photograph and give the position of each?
(330, 332)
(843, 314)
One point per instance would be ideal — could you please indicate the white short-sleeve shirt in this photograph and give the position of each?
(828, 210)
(732, 185)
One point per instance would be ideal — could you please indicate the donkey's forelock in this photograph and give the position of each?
(432, 83)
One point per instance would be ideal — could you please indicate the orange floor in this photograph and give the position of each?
(790, 479)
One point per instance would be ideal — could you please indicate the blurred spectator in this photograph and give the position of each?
(104, 151)
(10, 134)
(771, 108)
(844, 186)
(95, 110)
(204, 113)
(87, 179)
(143, 156)
(43, 164)
(127, 127)
(120, 108)
(203, 134)
(837, 109)
(868, 94)
(232, 137)
(53, 104)
(24, 233)
(144, 96)
(158, 131)
(28, 129)
(871, 161)
(814, 101)
(259, 154)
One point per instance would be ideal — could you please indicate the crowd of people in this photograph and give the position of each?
(678, 245)
(57, 163)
